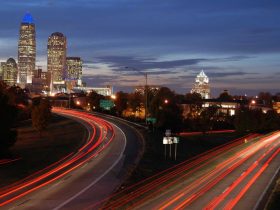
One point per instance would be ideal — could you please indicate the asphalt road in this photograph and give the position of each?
(233, 176)
(85, 177)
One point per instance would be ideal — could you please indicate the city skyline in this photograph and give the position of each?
(235, 43)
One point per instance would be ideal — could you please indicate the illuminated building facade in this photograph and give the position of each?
(201, 85)
(152, 89)
(26, 50)
(1, 69)
(105, 91)
(10, 71)
(57, 60)
(74, 70)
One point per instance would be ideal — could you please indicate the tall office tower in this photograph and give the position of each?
(10, 71)
(201, 85)
(1, 69)
(74, 69)
(57, 60)
(26, 50)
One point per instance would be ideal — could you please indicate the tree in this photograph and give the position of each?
(248, 120)
(195, 102)
(265, 98)
(224, 96)
(271, 121)
(93, 99)
(41, 114)
(165, 109)
(8, 116)
(135, 101)
(121, 102)
(208, 117)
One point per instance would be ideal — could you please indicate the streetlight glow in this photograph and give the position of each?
(113, 97)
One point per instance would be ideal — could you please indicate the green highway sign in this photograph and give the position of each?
(151, 119)
(106, 104)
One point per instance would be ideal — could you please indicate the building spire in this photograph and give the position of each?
(27, 18)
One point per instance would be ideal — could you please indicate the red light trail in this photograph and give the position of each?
(97, 142)
(180, 186)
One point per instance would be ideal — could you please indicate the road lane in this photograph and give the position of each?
(211, 180)
(98, 160)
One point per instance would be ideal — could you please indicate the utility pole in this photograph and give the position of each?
(69, 100)
(146, 97)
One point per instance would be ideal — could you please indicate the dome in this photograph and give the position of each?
(57, 34)
(28, 18)
(12, 62)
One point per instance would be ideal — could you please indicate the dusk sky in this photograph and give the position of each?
(236, 42)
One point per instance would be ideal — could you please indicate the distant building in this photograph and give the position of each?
(57, 60)
(152, 89)
(276, 107)
(74, 70)
(201, 85)
(9, 71)
(1, 69)
(105, 91)
(228, 107)
(26, 50)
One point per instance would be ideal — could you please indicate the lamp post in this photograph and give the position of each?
(69, 100)
(146, 97)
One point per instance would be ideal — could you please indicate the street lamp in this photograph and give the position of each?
(113, 97)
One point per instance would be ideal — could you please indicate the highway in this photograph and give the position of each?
(232, 176)
(83, 177)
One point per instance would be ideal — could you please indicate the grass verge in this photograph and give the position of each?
(154, 160)
(62, 137)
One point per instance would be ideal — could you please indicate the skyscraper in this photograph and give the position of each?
(26, 50)
(74, 69)
(201, 85)
(57, 59)
(10, 71)
(2, 64)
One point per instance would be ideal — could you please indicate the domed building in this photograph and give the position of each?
(201, 85)
(10, 72)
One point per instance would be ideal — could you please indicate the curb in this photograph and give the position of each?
(264, 198)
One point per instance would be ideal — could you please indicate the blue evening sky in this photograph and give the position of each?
(236, 42)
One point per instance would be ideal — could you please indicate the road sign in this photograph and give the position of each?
(165, 140)
(175, 140)
(168, 133)
(106, 104)
(152, 120)
(170, 140)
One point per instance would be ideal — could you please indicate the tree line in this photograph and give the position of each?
(16, 107)
(166, 107)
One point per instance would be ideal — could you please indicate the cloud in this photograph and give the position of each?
(228, 74)
(226, 38)
(132, 64)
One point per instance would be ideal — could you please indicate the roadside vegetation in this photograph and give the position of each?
(154, 159)
(274, 201)
(33, 153)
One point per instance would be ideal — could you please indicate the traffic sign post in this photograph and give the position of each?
(175, 141)
(168, 139)
(165, 142)
(170, 142)
(168, 133)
